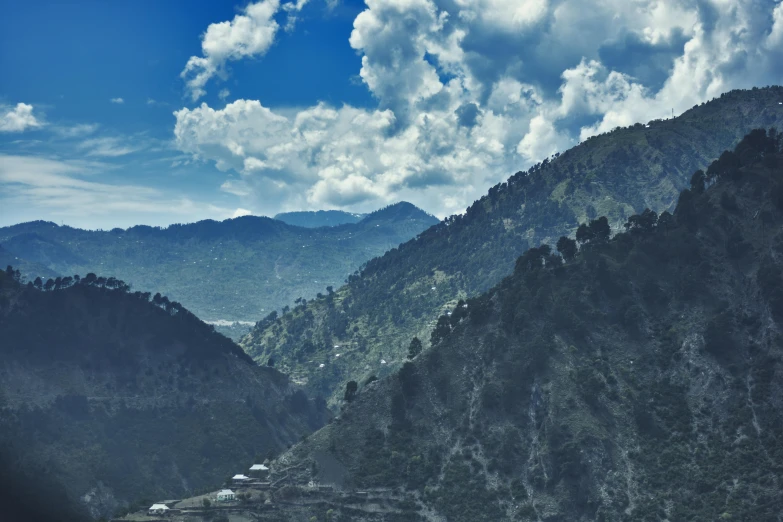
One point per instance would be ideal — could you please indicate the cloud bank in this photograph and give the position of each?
(469, 91)
(34, 187)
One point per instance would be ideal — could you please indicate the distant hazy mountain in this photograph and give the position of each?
(402, 293)
(320, 218)
(236, 270)
(120, 399)
(639, 379)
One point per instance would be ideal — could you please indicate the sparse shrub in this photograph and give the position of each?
(414, 348)
(441, 331)
(350, 391)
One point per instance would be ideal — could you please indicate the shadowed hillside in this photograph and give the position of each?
(120, 399)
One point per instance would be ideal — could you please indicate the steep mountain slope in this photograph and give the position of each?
(121, 399)
(319, 218)
(400, 294)
(641, 380)
(235, 270)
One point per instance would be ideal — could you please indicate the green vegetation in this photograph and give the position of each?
(126, 397)
(403, 293)
(235, 270)
(638, 381)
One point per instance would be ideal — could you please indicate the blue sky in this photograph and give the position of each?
(119, 113)
(73, 56)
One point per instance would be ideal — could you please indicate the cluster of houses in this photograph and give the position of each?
(258, 472)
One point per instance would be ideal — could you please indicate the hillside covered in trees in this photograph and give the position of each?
(637, 377)
(235, 270)
(124, 397)
(366, 327)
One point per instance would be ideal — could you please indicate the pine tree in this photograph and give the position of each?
(414, 348)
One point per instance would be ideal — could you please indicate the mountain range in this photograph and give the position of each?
(235, 270)
(366, 327)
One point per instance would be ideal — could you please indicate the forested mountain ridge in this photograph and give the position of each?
(399, 295)
(639, 379)
(234, 270)
(319, 218)
(121, 399)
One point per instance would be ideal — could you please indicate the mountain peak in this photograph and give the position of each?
(400, 211)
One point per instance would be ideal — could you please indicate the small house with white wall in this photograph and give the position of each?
(225, 495)
(240, 478)
(259, 470)
(158, 509)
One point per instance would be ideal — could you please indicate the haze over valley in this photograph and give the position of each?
(228, 273)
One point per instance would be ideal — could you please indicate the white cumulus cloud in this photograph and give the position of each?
(249, 34)
(118, 101)
(241, 212)
(327, 157)
(18, 119)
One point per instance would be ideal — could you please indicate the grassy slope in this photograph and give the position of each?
(238, 269)
(402, 293)
(122, 401)
(642, 381)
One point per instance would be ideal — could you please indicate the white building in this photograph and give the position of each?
(224, 495)
(239, 478)
(258, 467)
(158, 509)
